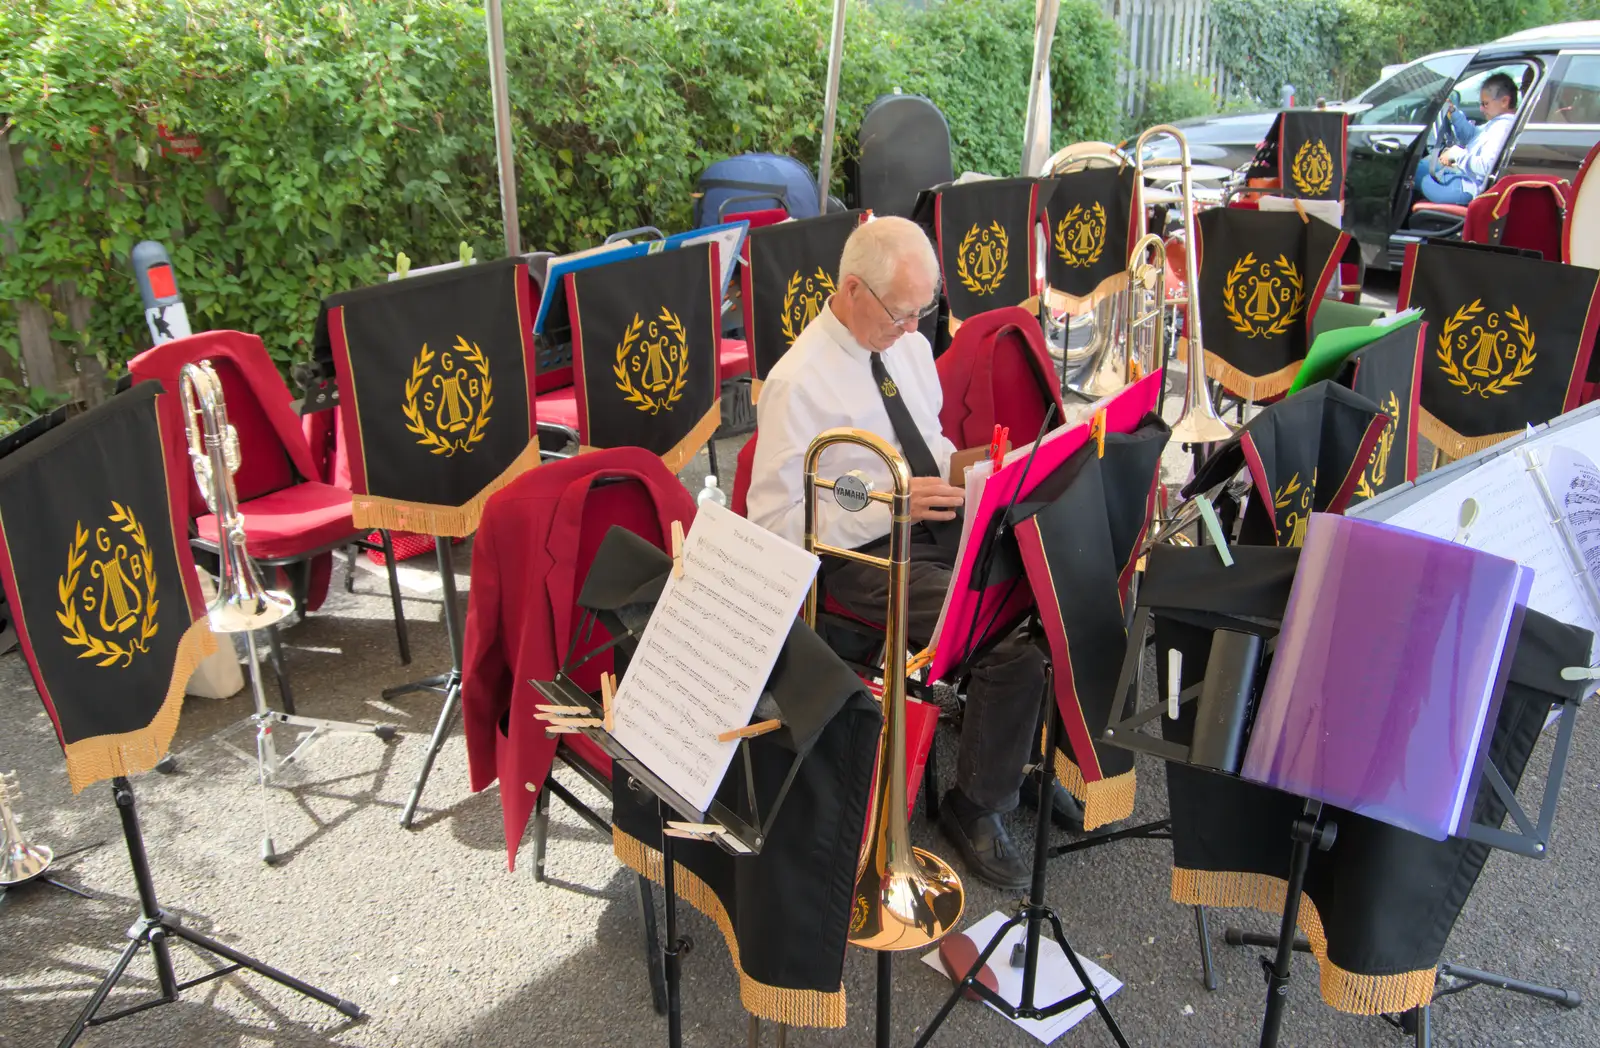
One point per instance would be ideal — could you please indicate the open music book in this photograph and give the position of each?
(1538, 503)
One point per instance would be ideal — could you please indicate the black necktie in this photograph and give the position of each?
(946, 533)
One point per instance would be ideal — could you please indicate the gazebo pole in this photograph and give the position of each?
(494, 14)
(830, 107)
(1036, 130)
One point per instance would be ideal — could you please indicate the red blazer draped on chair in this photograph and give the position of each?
(535, 542)
(997, 371)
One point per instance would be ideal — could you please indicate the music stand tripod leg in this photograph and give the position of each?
(153, 928)
(1034, 911)
(1309, 831)
(445, 558)
(452, 680)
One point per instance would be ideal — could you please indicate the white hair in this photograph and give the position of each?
(880, 247)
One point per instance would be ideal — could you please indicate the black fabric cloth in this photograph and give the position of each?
(100, 583)
(645, 351)
(945, 532)
(1262, 274)
(1305, 454)
(1003, 695)
(434, 379)
(1079, 533)
(1311, 153)
(790, 270)
(984, 234)
(786, 910)
(1385, 900)
(1091, 218)
(1388, 372)
(1509, 338)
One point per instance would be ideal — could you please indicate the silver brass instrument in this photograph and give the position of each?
(1199, 422)
(242, 603)
(1135, 341)
(19, 861)
(905, 898)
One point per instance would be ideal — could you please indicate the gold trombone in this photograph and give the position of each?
(1199, 422)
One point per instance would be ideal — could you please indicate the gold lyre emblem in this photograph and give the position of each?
(1377, 471)
(888, 387)
(1293, 505)
(1081, 235)
(117, 592)
(1496, 351)
(981, 258)
(652, 367)
(1263, 299)
(448, 397)
(1312, 169)
(802, 301)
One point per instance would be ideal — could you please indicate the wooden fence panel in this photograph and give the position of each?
(1164, 40)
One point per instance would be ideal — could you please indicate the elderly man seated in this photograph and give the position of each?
(1466, 168)
(862, 363)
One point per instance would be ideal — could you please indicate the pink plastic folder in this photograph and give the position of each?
(1387, 677)
(1001, 604)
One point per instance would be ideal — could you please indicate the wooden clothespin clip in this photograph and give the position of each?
(1301, 210)
(694, 831)
(677, 549)
(749, 731)
(1136, 370)
(919, 660)
(1097, 430)
(573, 723)
(608, 697)
(563, 711)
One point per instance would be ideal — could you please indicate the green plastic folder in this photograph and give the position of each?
(1333, 345)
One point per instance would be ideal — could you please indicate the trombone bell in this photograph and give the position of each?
(905, 898)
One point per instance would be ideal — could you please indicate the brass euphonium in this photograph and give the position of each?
(242, 603)
(1199, 422)
(905, 898)
(1137, 333)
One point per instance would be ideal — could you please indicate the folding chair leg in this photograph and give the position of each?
(652, 949)
(275, 656)
(402, 632)
(350, 554)
(1203, 931)
(541, 833)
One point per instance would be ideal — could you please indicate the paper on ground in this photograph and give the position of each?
(708, 649)
(1056, 978)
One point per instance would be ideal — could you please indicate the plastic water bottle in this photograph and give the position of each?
(712, 493)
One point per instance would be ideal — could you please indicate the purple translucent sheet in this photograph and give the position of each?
(1386, 675)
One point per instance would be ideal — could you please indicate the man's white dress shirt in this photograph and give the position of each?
(825, 380)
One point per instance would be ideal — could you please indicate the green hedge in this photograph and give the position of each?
(1337, 48)
(336, 134)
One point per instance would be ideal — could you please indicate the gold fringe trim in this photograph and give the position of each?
(1341, 989)
(755, 390)
(1452, 443)
(773, 1003)
(687, 448)
(1252, 387)
(1077, 305)
(1107, 801)
(106, 756)
(424, 518)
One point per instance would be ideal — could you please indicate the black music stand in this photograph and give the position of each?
(448, 683)
(1313, 829)
(1035, 911)
(155, 926)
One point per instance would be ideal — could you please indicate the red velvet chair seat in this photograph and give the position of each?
(290, 522)
(733, 358)
(558, 407)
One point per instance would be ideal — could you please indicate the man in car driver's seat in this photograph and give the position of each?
(1461, 172)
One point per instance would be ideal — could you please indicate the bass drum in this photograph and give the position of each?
(1580, 237)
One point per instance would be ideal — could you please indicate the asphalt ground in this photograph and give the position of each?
(444, 948)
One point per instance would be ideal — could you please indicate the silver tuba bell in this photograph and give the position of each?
(243, 603)
(19, 860)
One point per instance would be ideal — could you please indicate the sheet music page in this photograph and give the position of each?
(1513, 522)
(708, 649)
(977, 477)
(1582, 437)
(728, 241)
(1575, 486)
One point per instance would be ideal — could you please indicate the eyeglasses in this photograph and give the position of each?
(901, 321)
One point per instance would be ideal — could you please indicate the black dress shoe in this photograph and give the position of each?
(985, 846)
(1065, 810)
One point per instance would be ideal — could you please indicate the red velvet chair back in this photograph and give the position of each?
(739, 500)
(1522, 211)
(997, 372)
(273, 453)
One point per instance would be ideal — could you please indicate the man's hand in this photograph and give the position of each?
(933, 499)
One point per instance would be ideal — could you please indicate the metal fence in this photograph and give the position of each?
(1165, 40)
